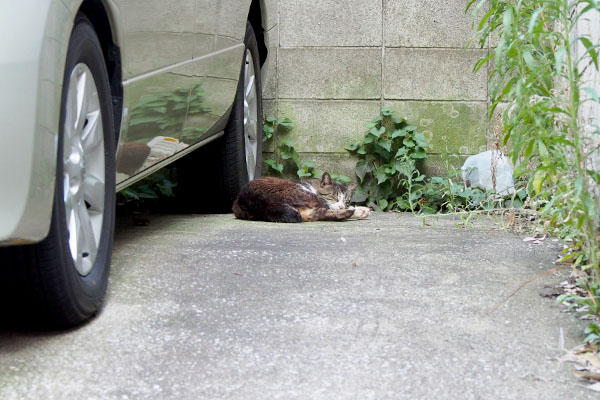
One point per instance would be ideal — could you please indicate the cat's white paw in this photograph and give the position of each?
(361, 212)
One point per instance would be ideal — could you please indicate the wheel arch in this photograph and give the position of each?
(103, 16)
(257, 18)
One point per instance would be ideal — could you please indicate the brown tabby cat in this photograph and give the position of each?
(280, 200)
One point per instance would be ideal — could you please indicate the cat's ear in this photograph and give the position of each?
(326, 179)
(350, 189)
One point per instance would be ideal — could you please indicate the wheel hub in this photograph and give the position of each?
(83, 168)
(250, 115)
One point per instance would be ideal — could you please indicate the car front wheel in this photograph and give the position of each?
(61, 281)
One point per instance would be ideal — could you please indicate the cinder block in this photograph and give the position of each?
(442, 165)
(327, 126)
(272, 11)
(450, 127)
(329, 73)
(334, 163)
(270, 86)
(433, 74)
(427, 23)
(330, 23)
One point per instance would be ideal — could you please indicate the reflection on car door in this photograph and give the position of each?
(218, 66)
(159, 41)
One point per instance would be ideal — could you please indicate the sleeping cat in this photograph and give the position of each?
(279, 200)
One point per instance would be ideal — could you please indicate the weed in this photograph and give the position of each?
(536, 71)
(389, 177)
(288, 155)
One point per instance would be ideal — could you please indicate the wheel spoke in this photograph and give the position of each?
(86, 240)
(250, 157)
(92, 134)
(251, 129)
(82, 99)
(249, 91)
(93, 192)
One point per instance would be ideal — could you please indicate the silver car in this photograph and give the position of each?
(97, 94)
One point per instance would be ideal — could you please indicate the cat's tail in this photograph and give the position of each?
(324, 214)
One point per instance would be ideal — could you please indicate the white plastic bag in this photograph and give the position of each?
(479, 169)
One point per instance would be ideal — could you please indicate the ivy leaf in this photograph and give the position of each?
(287, 142)
(420, 139)
(398, 122)
(383, 203)
(285, 122)
(398, 132)
(377, 132)
(343, 179)
(402, 151)
(308, 164)
(381, 176)
(386, 144)
(386, 111)
(363, 168)
(353, 146)
(273, 165)
(408, 142)
(359, 195)
(404, 168)
(419, 154)
(303, 174)
(402, 204)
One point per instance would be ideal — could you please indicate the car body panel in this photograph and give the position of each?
(31, 69)
(188, 52)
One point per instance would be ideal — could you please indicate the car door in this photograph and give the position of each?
(159, 40)
(217, 66)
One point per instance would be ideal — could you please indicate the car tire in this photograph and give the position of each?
(61, 281)
(242, 147)
(233, 160)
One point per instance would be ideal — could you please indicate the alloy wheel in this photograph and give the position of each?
(83, 168)
(250, 115)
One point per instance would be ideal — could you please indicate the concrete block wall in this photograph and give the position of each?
(338, 62)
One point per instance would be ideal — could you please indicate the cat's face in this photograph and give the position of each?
(338, 196)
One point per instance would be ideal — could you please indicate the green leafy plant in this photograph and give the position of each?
(389, 177)
(387, 166)
(286, 151)
(536, 71)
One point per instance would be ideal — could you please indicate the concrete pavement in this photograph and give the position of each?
(209, 307)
